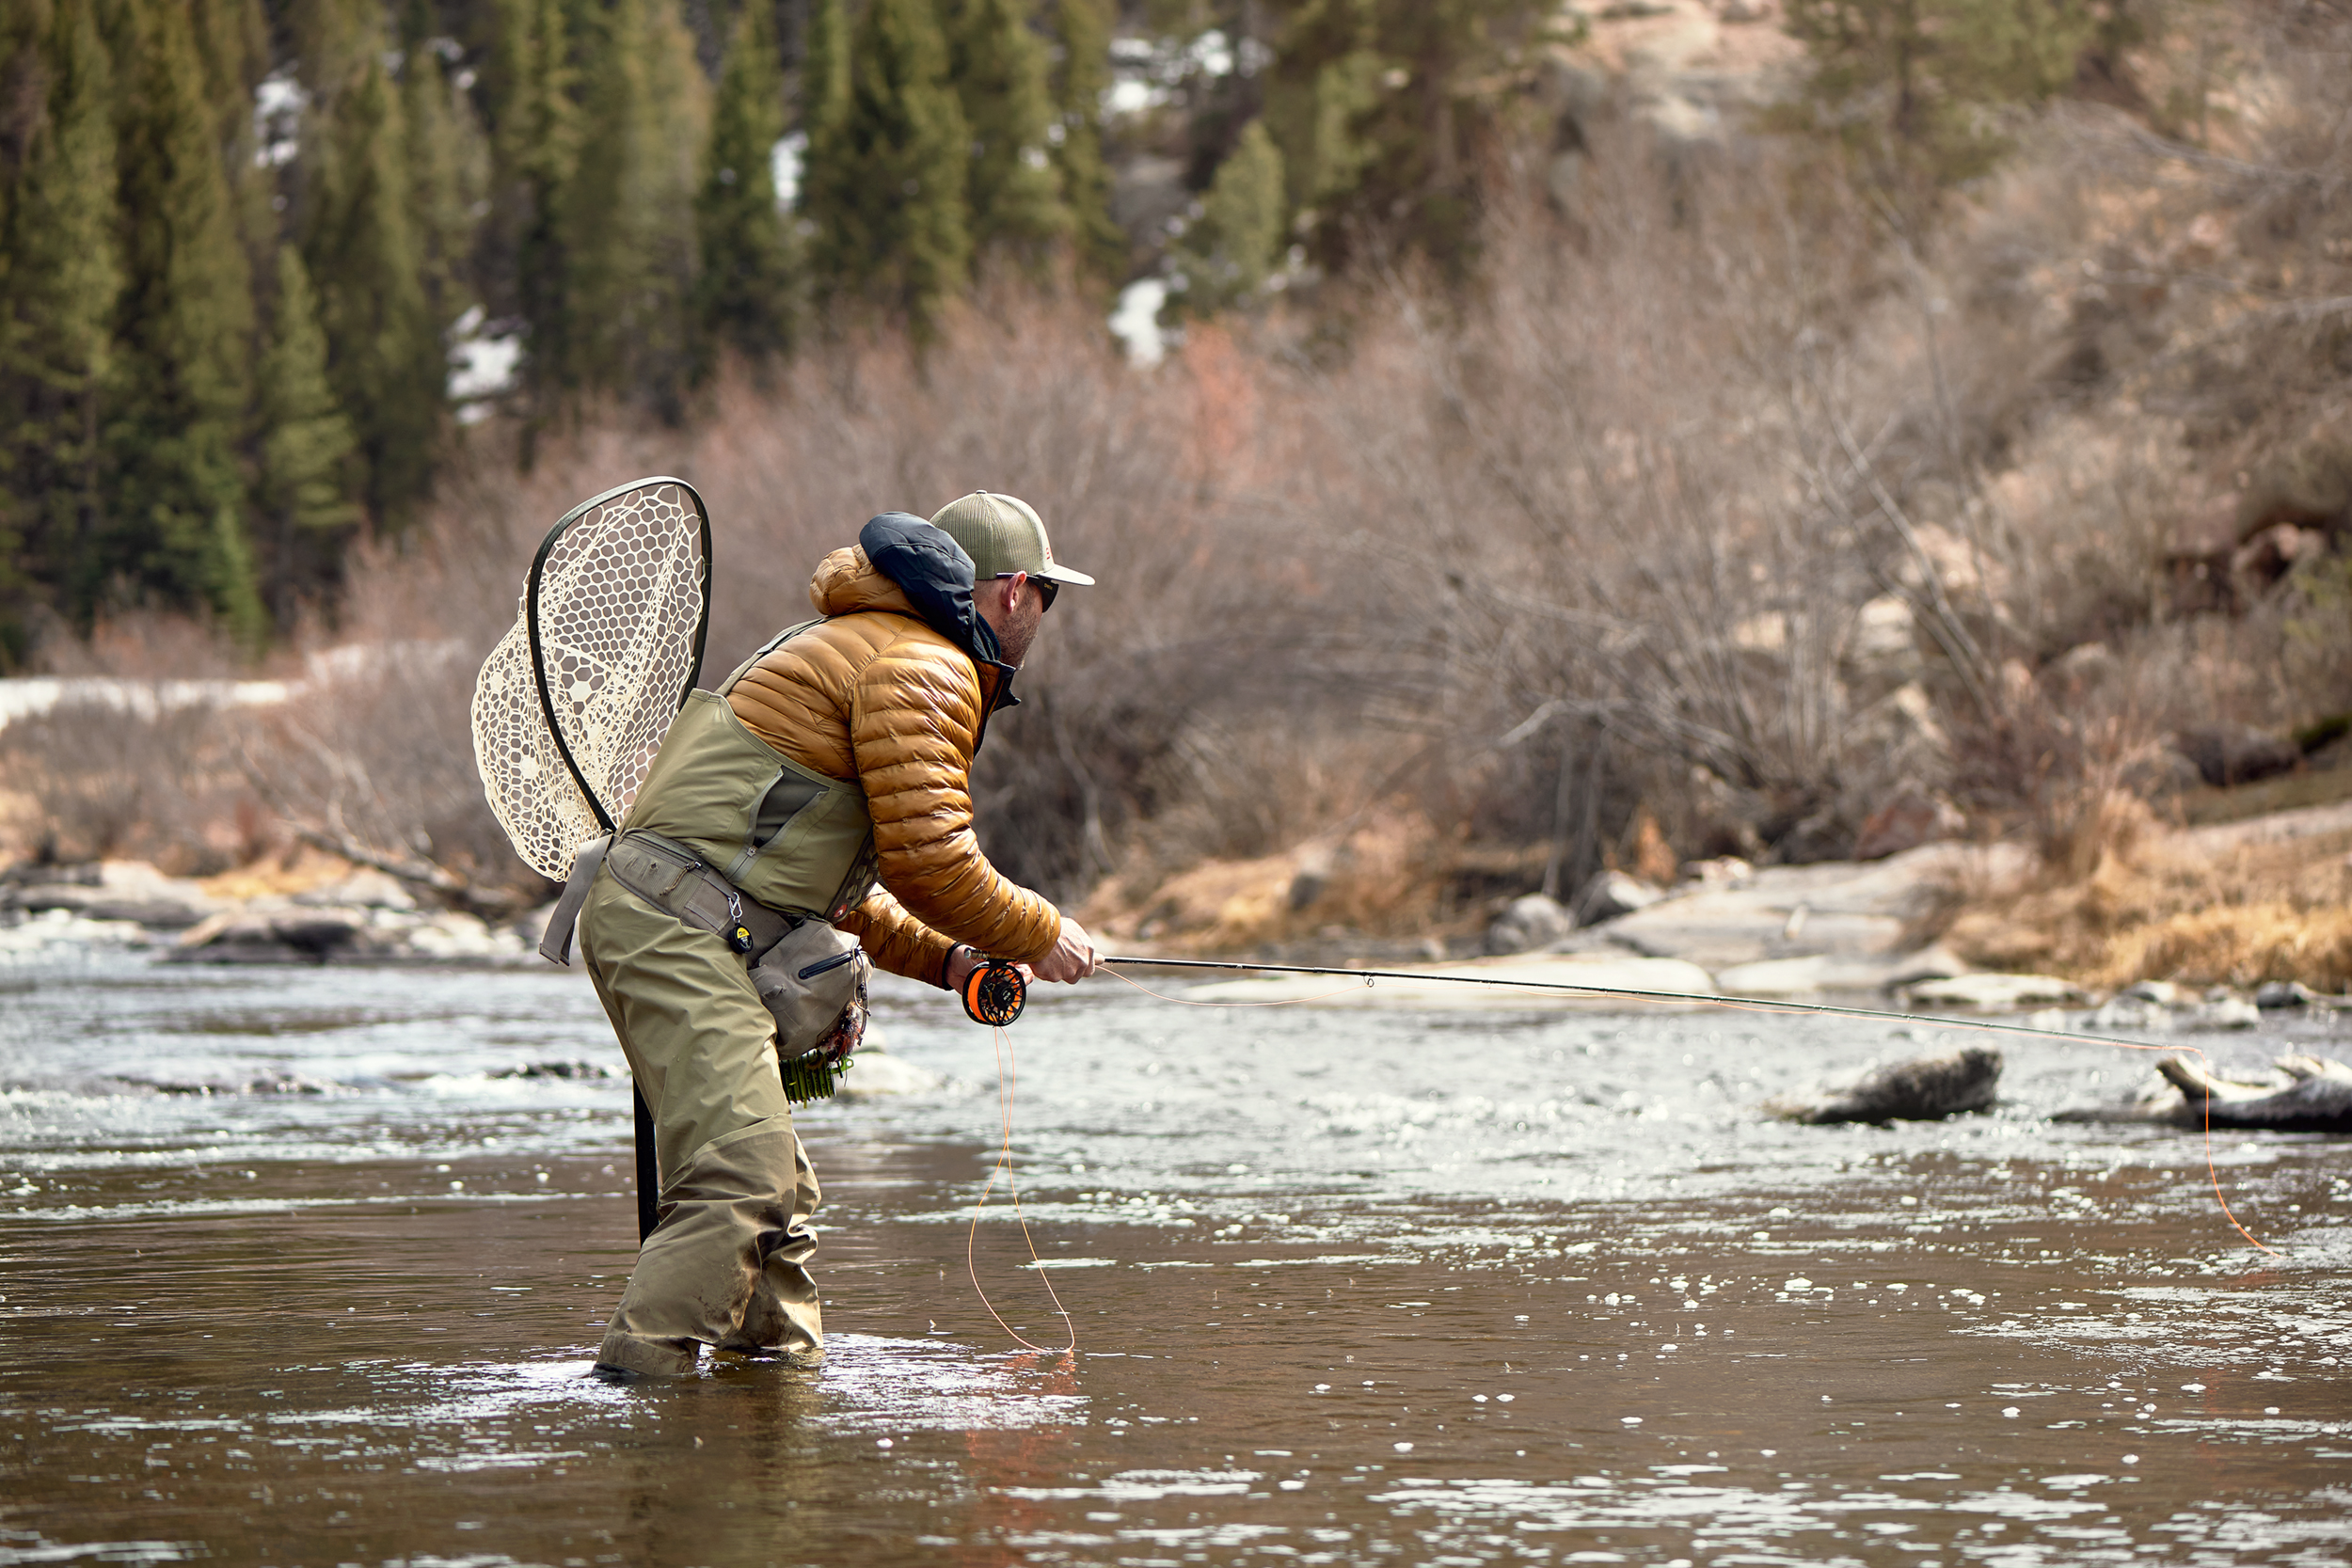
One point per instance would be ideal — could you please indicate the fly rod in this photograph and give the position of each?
(995, 991)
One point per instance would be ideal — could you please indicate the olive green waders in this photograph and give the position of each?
(726, 1265)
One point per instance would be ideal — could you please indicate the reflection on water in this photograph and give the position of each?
(306, 1267)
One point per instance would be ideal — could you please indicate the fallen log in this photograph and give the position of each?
(2310, 1094)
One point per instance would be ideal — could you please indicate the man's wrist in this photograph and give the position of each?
(947, 964)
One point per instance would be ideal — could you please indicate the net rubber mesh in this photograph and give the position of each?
(620, 615)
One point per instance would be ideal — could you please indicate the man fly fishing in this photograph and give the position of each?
(822, 788)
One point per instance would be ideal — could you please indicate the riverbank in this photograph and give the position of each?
(309, 908)
(2221, 919)
(2222, 915)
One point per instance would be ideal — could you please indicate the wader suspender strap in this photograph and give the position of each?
(555, 945)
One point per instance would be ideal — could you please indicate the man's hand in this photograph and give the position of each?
(1073, 958)
(961, 961)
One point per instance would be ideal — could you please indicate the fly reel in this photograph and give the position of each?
(993, 992)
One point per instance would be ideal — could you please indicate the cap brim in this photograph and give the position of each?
(1063, 573)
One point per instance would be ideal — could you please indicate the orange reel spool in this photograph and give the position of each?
(993, 992)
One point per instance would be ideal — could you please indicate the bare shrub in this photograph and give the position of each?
(1161, 485)
(1578, 499)
(113, 777)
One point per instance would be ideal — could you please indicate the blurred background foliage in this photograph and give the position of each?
(243, 239)
(1588, 434)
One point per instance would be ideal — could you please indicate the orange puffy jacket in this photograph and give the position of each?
(875, 695)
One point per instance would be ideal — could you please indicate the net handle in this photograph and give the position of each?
(531, 622)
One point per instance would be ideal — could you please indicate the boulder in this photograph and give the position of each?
(60, 928)
(2273, 994)
(269, 936)
(1528, 923)
(1825, 972)
(365, 888)
(1608, 895)
(2225, 1012)
(2229, 755)
(452, 934)
(110, 891)
(1926, 1088)
(1992, 992)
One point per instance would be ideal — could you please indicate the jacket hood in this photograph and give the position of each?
(903, 565)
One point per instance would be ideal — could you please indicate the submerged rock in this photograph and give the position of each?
(1926, 1088)
(2310, 1094)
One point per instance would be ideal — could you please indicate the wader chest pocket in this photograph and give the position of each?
(781, 804)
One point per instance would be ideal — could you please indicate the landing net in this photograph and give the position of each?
(573, 703)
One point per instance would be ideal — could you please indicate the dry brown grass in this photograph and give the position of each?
(2154, 909)
(1378, 878)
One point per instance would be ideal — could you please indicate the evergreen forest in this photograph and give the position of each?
(263, 257)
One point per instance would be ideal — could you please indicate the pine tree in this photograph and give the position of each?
(1380, 107)
(824, 77)
(63, 277)
(1325, 75)
(1922, 88)
(627, 218)
(1013, 189)
(534, 148)
(233, 36)
(306, 447)
(743, 296)
(448, 175)
(172, 525)
(364, 257)
(1229, 250)
(1080, 81)
(887, 199)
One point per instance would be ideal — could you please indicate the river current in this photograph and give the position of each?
(305, 1266)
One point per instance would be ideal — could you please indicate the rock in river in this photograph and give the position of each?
(1992, 992)
(1926, 1088)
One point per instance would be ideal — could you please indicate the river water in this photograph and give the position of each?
(305, 1266)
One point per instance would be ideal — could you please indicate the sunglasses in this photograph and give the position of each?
(1046, 588)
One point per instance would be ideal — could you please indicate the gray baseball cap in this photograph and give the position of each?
(1003, 534)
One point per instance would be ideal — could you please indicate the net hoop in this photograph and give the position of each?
(607, 643)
